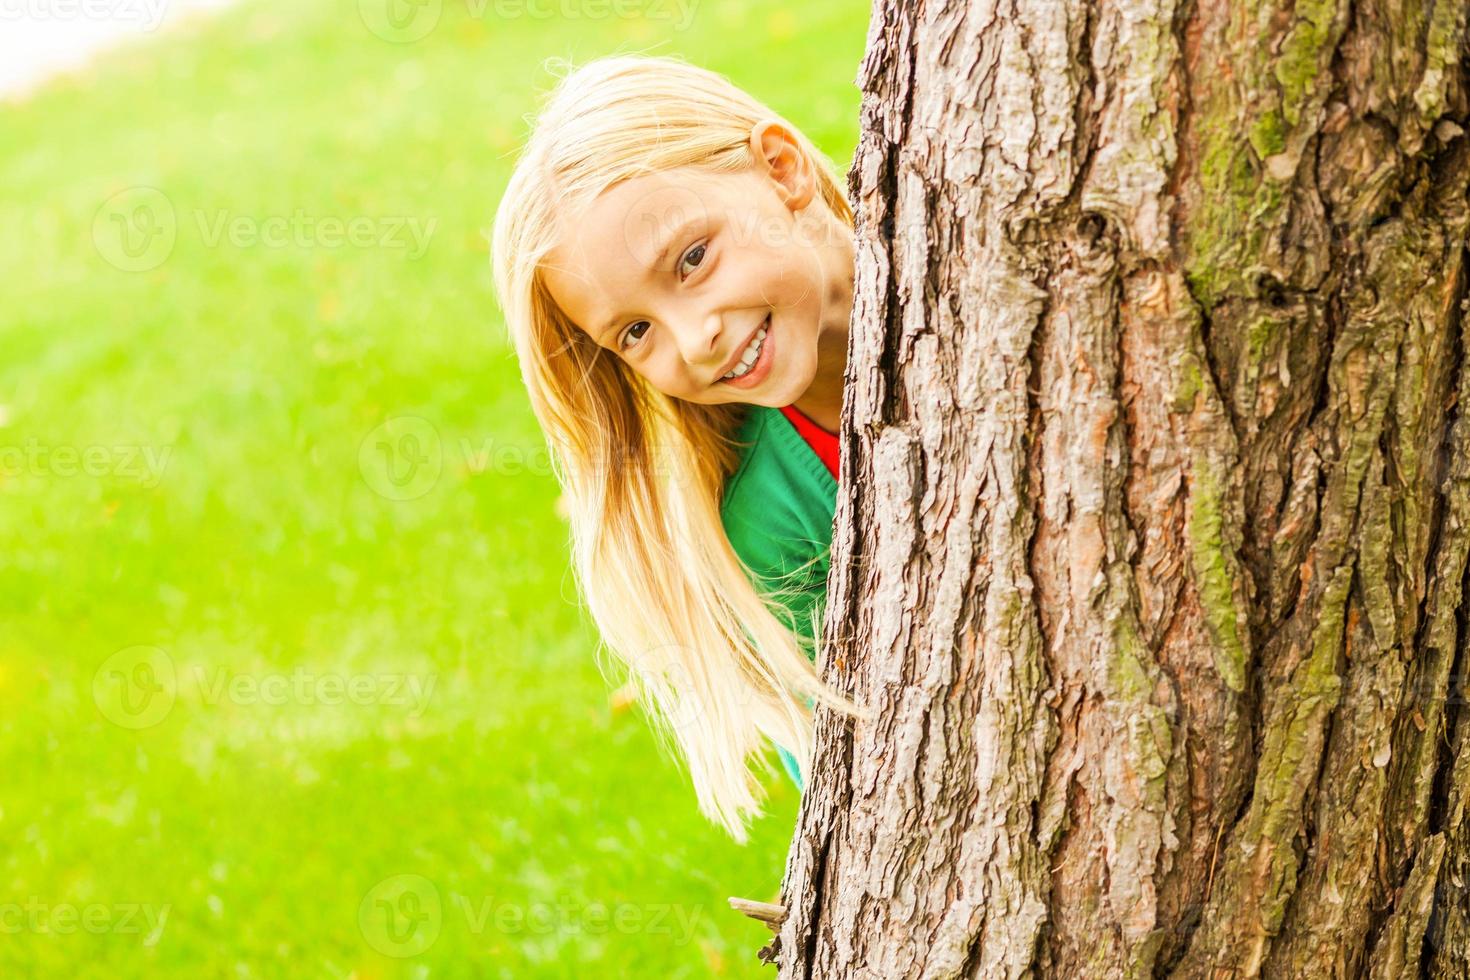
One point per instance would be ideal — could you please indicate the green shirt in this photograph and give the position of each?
(777, 510)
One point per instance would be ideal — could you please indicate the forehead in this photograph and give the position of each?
(606, 249)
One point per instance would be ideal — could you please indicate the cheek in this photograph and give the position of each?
(792, 279)
(781, 278)
(667, 372)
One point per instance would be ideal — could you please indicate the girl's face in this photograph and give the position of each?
(678, 272)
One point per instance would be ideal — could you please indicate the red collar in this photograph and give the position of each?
(823, 443)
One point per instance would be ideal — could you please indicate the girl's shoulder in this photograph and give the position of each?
(779, 504)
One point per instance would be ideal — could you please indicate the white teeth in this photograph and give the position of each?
(749, 357)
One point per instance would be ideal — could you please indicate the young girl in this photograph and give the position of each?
(675, 263)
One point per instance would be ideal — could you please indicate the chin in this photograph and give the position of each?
(795, 387)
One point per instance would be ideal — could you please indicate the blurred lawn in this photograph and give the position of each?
(193, 786)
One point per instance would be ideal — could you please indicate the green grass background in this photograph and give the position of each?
(266, 545)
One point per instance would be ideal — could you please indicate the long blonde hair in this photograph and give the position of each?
(642, 473)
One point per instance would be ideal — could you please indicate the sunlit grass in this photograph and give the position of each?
(194, 503)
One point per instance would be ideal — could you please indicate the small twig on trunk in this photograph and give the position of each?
(771, 915)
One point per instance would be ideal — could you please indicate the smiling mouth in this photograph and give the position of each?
(741, 365)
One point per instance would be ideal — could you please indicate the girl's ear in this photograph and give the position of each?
(777, 154)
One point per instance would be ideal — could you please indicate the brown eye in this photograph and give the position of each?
(629, 332)
(699, 250)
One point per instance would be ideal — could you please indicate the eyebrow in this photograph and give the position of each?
(675, 236)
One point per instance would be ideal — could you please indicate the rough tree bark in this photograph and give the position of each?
(1152, 561)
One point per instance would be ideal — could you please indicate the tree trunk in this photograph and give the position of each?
(1151, 562)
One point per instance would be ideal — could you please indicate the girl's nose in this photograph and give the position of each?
(700, 344)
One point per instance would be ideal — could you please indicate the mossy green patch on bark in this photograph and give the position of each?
(1149, 733)
(1273, 91)
(1268, 134)
(1373, 558)
(1214, 577)
(1192, 382)
(1443, 47)
(1305, 54)
(1291, 749)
